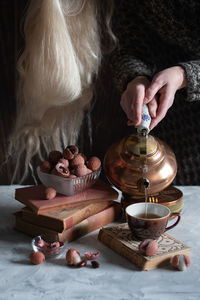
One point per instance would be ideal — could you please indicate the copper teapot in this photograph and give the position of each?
(128, 169)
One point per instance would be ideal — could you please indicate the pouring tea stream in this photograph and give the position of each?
(143, 131)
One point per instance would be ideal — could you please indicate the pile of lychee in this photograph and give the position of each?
(73, 258)
(70, 163)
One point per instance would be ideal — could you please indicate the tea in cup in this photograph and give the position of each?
(149, 220)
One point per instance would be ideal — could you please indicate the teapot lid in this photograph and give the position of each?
(131, 147)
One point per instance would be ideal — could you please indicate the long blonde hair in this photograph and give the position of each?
(61, 57)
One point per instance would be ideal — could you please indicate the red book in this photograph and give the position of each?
(90, 224)
(33, 197)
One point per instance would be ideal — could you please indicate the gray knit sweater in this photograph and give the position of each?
(154, 35)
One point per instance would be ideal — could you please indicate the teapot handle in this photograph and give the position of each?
(146, 120)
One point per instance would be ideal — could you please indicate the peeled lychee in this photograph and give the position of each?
(70, 152)
(180, 262)
(73, 257)
(64, 161)
(61, 170)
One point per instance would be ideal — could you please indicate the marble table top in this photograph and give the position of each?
(116, 278)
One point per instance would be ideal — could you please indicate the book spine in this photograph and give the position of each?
(120, 248)
(29, 228)
(92, 223)
(49, 223)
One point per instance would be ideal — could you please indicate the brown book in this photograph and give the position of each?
(120, 240)
(33, 197)
(90, 224)
(65, 218)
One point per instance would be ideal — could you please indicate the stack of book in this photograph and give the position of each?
(66, 218)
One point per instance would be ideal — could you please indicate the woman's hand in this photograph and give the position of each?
(165, 85)
(133, 98)
(159, 95)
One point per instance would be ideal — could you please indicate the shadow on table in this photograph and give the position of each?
(21, 255)
(21, 262)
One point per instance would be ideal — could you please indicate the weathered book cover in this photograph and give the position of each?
(65, 218)
(88, 225)
(33, 197)
(120, 240)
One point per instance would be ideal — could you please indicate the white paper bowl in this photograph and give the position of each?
(68, 186)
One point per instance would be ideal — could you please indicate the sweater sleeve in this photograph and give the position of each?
(126, 67)
(192, 69)
(132, 56)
